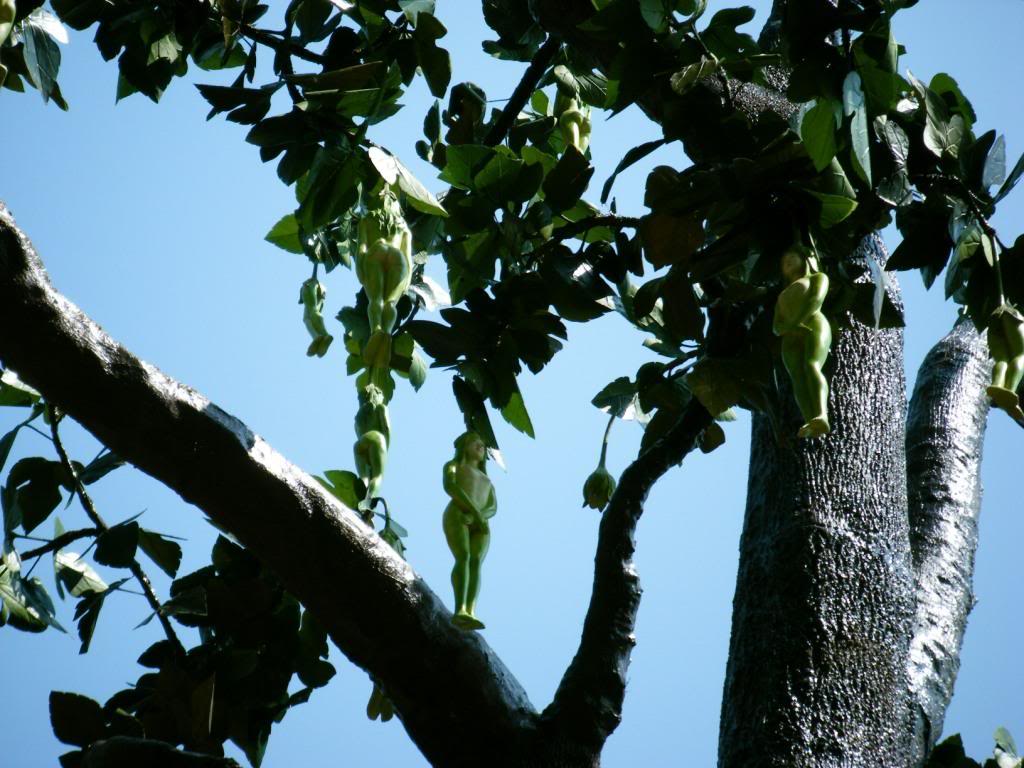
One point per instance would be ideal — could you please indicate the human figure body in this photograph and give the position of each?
(384, 260)
(1006, 345)
(465, 523)
(806, 338)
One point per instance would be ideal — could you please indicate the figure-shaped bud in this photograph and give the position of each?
(573, 121)
(311, 296)
(806, 336)
(372, 415)
(598, 488)
(7, 14)
(1006, 345)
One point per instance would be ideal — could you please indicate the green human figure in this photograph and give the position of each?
(573, 121)
(465, 523)
(1006, 345)
(384, 259)
(806, 337)
(311, 296)
(373, 432)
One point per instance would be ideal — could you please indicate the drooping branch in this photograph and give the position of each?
(125, 750)
(588, 703)
(455, 697)
(945, 432)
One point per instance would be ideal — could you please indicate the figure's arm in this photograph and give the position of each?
(491, 508)
(459, 496)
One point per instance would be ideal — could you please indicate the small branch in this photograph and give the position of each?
(581, 227)
(102, 527)
(604, 441)
(588, 704)
(127, 750)
(60, 542)
(523, 91)
(281, 46)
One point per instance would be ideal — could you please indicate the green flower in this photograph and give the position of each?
(598, 488)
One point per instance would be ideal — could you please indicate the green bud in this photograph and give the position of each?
(598, 488)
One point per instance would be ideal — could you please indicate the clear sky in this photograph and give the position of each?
(152, 220)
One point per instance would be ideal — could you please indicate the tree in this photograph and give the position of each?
(193, 457)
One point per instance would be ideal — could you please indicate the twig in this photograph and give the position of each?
(581, 227)
(523, 91)
(102, 527)
(60, 542)
(281, 46)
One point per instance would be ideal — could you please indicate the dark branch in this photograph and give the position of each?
(945, 432)
(102, 527)
(588, 703)
(125, 750)
(523, 91)
(281, 46)
(581, 227)
(454, 696)
(60, 542)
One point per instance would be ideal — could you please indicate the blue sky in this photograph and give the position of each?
(152, 220)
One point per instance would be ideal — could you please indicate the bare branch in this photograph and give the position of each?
(945, 432)
(522, 93)
(588, 703)
(60, 542)
(455, 697)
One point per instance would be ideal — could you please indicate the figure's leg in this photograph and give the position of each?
(396, 275)
(457, 535)
(479, 541)
(796, 366)
(371, 276)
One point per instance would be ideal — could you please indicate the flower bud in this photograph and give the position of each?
(598, 489)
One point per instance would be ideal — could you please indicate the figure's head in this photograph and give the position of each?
(469, 446)
(795, 263)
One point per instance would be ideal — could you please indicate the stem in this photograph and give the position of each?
(604, 442)
(60, 542)
(531, 77)
(285, 46)
(102, 527)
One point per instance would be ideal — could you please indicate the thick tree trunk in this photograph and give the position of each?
(821, 618)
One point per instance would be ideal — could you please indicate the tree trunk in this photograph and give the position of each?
(821, 617)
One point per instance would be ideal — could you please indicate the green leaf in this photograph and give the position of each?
(473, 410)
(6, 442)
(617, 398)
(818, 133)
(567, 182)
(1008, 185)
(77, 576)
(515, 413)
(13, 391)
(1005, 741)
(632, 156)
(37, 484)
(683, 80)
(100, 467)
(670, 239)
(344, 486)
(161, 550)
(657, 13)
(890, 134)
(76, 719)
(331, 188)
(435, 62)
(42, 60)
(853, 106)
(834, 208)
(418, 196)
(116, 546)
(413, 8)
(994, 172)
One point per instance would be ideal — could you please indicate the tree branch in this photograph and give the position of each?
(587, 706)
(945, 432)
(102, 527)
(60, 542)
(126, 750)
(455, 697)
(523, 91)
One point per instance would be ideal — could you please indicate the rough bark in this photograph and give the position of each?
(454, 696)
(945, 432)
(817, 660)
(375, 608)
